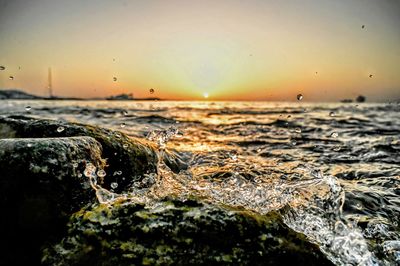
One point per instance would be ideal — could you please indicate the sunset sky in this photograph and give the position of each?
(228, 50)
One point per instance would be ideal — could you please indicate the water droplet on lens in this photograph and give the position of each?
(334, 135)
(122, 125)
(332, 114)
(60, 129)
(11, 77)
(115, 78)
(101, 173)
(114, 185)
(28, 108)
(299, 97)
(151, 91)
(2, 67)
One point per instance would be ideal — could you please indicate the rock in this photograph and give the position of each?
(41, 185)
(127, 158)
(174, 232)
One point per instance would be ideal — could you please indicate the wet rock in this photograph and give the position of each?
(41, 185)
(127, 158)
(173, 232)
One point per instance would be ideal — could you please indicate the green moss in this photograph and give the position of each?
(183, 233)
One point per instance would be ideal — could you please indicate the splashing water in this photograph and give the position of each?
(60, 129)
(161, 137)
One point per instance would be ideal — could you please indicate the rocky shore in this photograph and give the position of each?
(52, 214)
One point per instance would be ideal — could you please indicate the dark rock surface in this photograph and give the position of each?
(179, 233)
(41, 185)
(127, 158)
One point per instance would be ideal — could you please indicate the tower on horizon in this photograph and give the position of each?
(49, 84)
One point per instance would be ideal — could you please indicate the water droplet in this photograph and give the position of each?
(60, 129)
(124, 112)
(122, 125)
(336, 148)
(370, 75)
(101, 173)
(89, 170)
(2, 67)
(151, 91)
(297, 130)
(332, 114)
(29, 145)
(363, 26)
(334, 135)
(114, 185)
(11, 77)
(119, 172)
(299, 97)
(125, 146)
(28, 108)
(340, 227)
(294, 143)
(233, 157)
(117, 134)
(115, 78)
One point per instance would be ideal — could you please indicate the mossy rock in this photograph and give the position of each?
(128, 158)
(173, 232)
(41, 185)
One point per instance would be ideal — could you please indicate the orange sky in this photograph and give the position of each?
(230, 50)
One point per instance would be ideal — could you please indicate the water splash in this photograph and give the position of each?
(321, 220)
(161, 137)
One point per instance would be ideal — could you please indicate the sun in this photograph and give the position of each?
(205, 95)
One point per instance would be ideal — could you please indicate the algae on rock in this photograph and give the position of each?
(172, 232)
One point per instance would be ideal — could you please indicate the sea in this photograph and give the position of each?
(331, 169)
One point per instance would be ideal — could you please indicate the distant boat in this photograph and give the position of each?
(360, 99)
(121, 97)
(346, 101)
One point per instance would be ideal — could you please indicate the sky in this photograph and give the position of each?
(214, 49)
